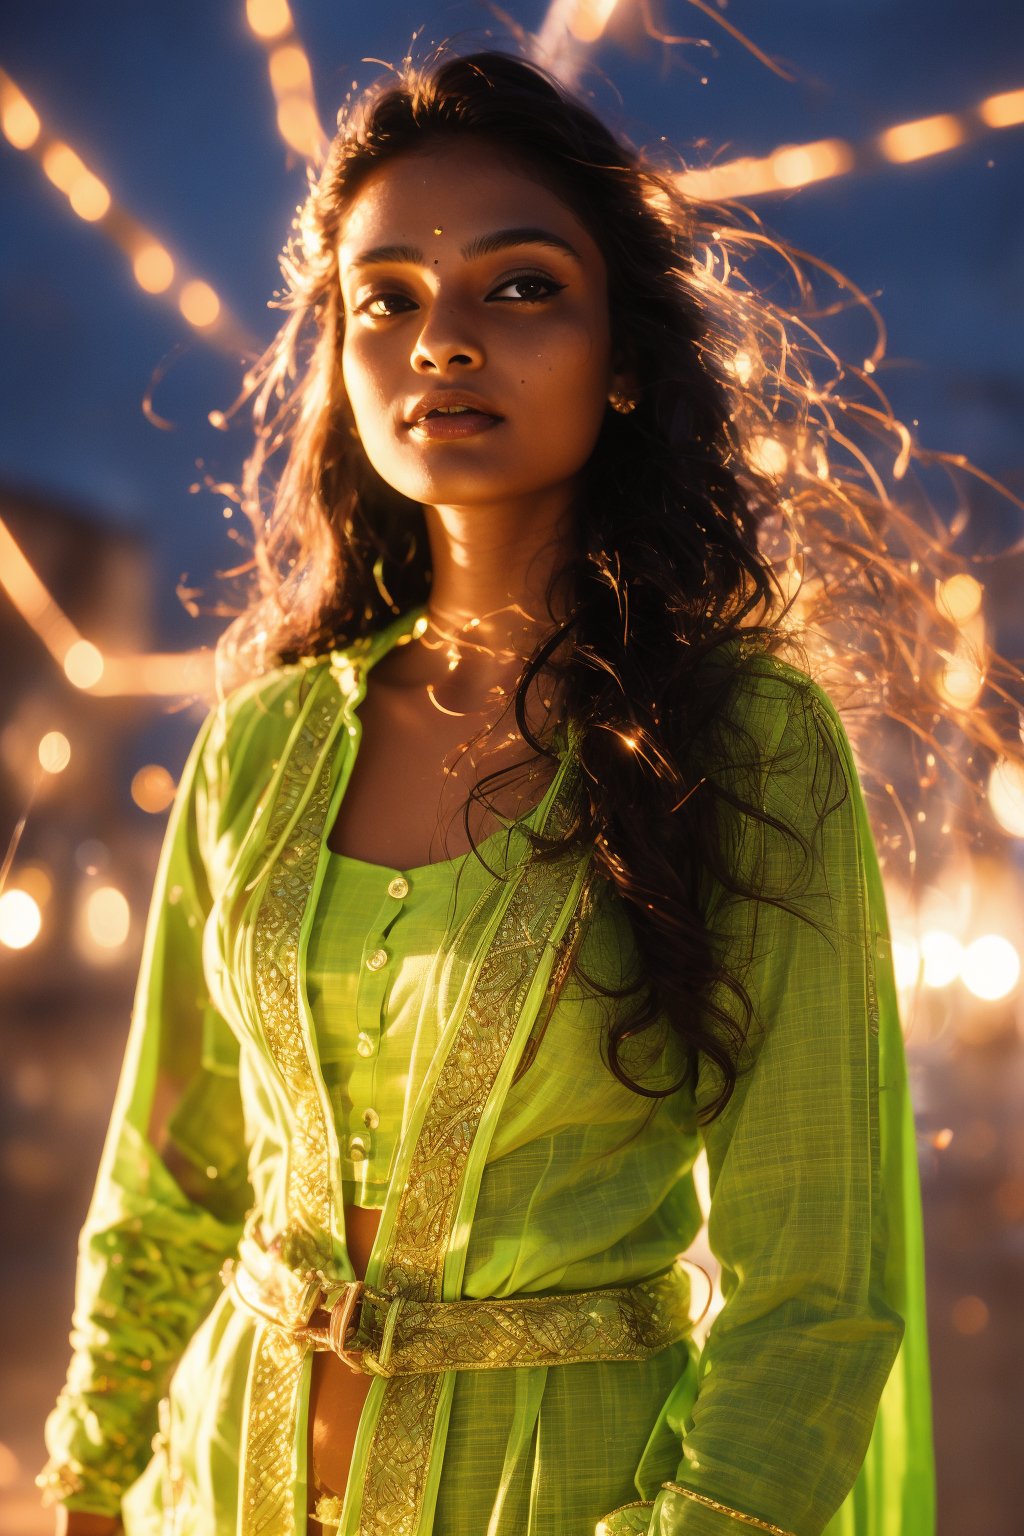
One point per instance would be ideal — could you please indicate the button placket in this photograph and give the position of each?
(374, 979)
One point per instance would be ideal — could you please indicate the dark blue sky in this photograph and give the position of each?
(171, 105)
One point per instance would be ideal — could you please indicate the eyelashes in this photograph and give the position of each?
(384, 305)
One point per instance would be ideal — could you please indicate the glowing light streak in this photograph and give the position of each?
(291, 78)
(797, 165)
(269, 19)
(19, 119)
(155, 674)
(88, 196)
(568, 29)
(1004, 111)
(589, 19)
(927, 136)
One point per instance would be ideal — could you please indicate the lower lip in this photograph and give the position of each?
(464, 424)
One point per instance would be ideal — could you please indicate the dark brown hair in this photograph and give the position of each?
(719, 524)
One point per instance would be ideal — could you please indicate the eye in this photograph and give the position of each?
(537, 287)
(381, 306)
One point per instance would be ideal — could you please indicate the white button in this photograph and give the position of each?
(371, 1119)
(398, 887)
(364, 1045)
(357, 1149)
(378, 960)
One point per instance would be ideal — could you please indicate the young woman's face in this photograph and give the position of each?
(466, 282)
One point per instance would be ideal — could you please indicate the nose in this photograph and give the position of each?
(444, 345)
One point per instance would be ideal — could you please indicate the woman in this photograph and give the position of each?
(516, 569)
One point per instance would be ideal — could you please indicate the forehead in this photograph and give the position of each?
(462, 190)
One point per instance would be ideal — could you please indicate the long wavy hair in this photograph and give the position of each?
(744, 508)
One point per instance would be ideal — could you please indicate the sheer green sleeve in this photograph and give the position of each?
(815, 1207)
(171, 1191)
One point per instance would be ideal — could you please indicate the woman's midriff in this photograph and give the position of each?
(336, 1394)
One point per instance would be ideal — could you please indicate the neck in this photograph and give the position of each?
(491, 569)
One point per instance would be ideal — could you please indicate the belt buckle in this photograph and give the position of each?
(341, 1320)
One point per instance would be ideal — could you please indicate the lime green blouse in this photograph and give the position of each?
(511, 1163)
(373, 937)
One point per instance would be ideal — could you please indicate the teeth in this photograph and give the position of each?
(449, 410)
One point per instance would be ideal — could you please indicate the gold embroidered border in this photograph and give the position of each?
(399, 1458)
(613, 1323)
(725, 1509)
(268, 1492)
(628, 1520)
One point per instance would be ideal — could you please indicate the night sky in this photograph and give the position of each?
(171, 105)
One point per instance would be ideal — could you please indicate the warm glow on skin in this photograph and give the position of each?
(526, 329)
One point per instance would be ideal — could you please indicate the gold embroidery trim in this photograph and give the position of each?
(395, 1480)
(725, 1509)
(400, 1336)
(268, 1495)
(617, 1323)
(612, 1525)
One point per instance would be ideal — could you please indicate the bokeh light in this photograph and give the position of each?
(1006, 796)
(62, 166)
(20, 919)
(107, 917)
(54, 752)
(926, 136)
(89, 197)
(960, 597)
(199, 304)
(941, 954)
(298, 125)
(970, 1315)
(153, 788)
(153, 268)
(797, 164)
(268, 18)
(19, 120)
(990, 968)
(961, 682)
(768, 455)
(83, 664)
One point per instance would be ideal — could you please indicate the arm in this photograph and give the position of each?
(169, 1197)
(803, 1212)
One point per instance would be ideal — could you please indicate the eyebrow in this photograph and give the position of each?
(483, 245)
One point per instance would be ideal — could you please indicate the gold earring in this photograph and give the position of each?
(621, 402)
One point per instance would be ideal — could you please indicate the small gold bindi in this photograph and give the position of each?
(438, 230)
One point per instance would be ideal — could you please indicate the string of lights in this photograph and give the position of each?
(569, 28)
(153, 267)
(170, 675)
(797, 165)
(291, 78)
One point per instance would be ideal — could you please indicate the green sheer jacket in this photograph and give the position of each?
(523, 1167)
